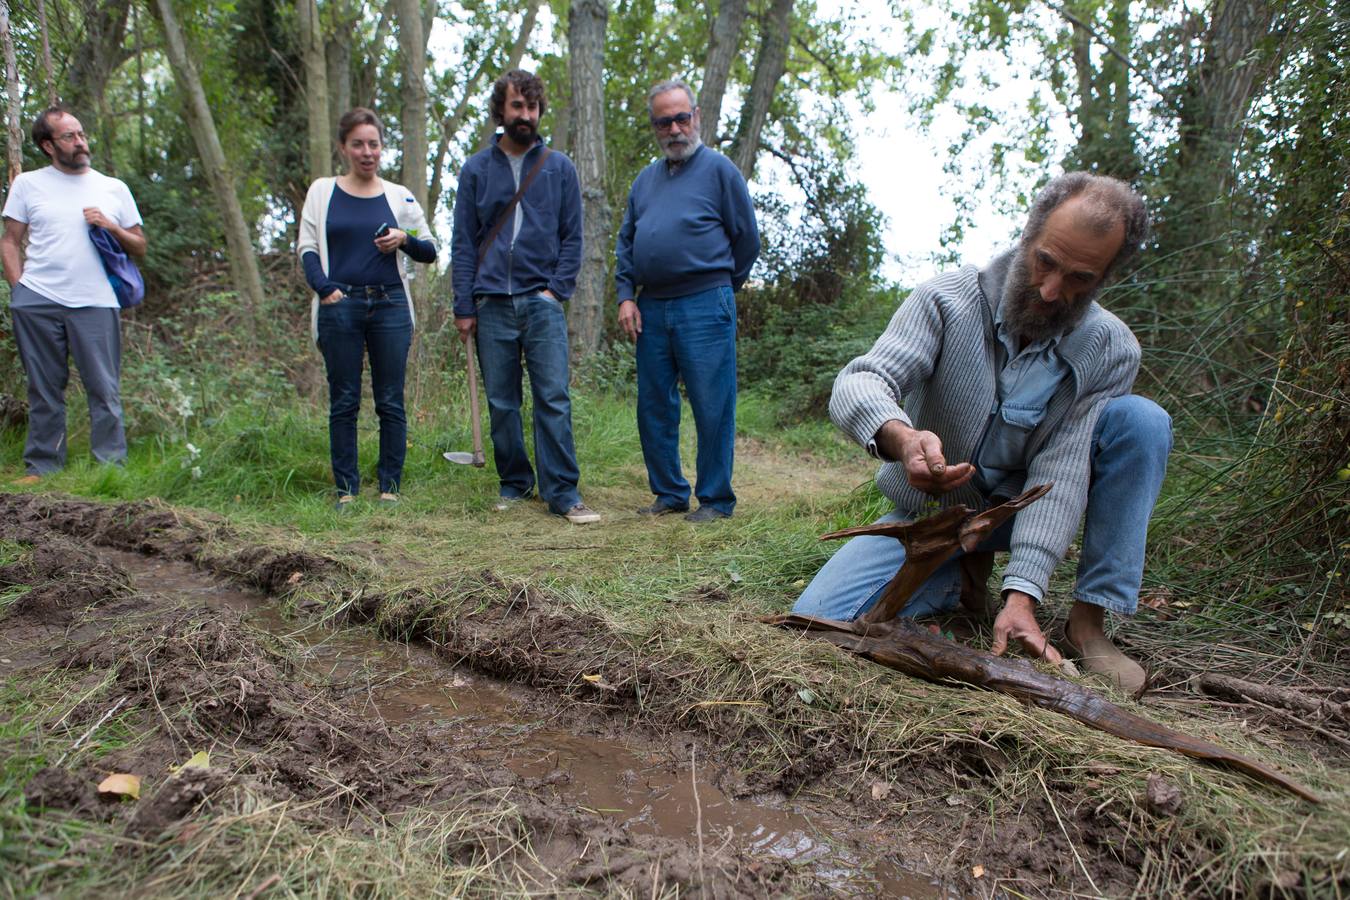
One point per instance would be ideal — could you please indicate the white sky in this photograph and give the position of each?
(902, 165)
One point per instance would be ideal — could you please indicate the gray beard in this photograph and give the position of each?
(678, 154)
(1020, 299)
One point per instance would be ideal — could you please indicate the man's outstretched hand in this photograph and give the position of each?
(1017, 621)
(920, 452)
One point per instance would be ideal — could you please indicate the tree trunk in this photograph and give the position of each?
(316, 88)
(14, 144)
(1223, 84)
(364, 88)
(770, 63)
(412, 47)
(243, 262)
(342, 21)
(1106, 140)
(47, 71)
(1213, 107)
(586, 50)
(414, 96)
(102, 50)
(723, 43)
(512, 61)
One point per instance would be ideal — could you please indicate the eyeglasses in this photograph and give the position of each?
(681, 119)
(71, 136)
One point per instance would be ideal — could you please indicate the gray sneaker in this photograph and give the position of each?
(581, 514)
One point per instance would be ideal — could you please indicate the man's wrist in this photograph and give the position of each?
(890, 439)
(1018, 599)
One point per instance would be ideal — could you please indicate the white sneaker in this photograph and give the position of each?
(581, 514)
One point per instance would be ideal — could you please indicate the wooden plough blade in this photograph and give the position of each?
(906, 647)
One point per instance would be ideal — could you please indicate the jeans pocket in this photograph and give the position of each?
(726, 300)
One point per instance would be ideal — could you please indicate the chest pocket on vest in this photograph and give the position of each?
(1009, 435)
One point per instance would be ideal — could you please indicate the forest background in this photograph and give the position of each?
(1231, 116)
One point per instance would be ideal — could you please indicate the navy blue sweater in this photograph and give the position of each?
(546, 253)
(686, 230)
(353, 257)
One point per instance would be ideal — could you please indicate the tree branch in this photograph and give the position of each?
(1113, 50)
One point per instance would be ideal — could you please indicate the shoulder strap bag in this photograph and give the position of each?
(511, 207)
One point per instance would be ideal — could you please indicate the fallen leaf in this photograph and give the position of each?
(122, 784)
(977, 871)
(1158, 598)
(200, 760)
(881, 790)
(599, 681)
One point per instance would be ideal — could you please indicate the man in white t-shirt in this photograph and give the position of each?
(61, 301)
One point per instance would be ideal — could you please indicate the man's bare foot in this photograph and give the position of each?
(1096, 654)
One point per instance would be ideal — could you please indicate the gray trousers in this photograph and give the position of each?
(48, 335)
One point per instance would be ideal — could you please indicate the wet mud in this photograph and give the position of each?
(506, 691)
(352, 727)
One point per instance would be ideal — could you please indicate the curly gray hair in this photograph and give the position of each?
(1108, 202)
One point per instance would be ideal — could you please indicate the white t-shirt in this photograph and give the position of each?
(61, 263)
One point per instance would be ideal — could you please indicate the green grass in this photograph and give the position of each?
(265, 467)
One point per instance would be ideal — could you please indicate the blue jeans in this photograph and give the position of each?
(370, 319)
(692, 338)
(1129, 459)
(532, 328)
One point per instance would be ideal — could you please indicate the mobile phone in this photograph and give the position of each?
(383, 230)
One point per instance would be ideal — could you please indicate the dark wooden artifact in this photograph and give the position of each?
(900, 644)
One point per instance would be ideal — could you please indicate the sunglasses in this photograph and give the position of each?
(665, 122)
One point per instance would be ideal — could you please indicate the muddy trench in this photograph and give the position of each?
(355, 724)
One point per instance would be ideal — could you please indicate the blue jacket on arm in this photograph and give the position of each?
(686, 231)
(547, 252)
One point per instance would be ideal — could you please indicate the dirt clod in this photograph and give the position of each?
(177, 798)
(1163, 796)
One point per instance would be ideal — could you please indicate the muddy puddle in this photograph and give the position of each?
(644, 786)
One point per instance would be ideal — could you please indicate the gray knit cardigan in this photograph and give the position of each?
(936, 357)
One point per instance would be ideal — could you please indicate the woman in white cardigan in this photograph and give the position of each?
(352, 229)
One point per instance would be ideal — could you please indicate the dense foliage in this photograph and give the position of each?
(1231, 116)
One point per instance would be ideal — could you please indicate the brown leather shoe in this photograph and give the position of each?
(1101, 657)
(26, 481)
(975, 571)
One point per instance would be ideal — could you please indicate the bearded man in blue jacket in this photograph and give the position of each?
(687, 244)
(513, 269)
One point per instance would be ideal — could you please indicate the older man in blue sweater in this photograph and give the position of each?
(686, 246)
